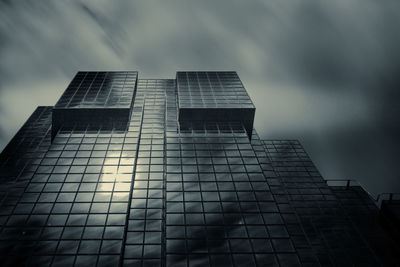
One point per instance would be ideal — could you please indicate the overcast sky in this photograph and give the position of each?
(323, 72)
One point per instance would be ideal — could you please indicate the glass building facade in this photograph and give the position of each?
(124, 171)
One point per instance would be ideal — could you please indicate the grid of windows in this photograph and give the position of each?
(363, 214)
(211, 128)
(73, 209)
(219, 208)
(144, 236)
(99, 90)
(211, 90)
(331, 223)
(22, 155)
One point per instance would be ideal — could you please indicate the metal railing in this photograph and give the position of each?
(389, 197)
(348, 183)
(341, 182)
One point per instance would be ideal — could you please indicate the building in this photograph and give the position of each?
(169, 172)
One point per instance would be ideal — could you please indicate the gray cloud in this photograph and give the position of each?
(323, 72)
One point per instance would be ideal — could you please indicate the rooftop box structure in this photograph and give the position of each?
(96, 98)
(214, 96)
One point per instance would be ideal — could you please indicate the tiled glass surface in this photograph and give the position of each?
(145, 228)
(333, 226)
(363, 214)
(99, 90)
(97, 99)
(219, 208)
(213, 96)
(73, 209)
(211, 90)
(22, 155)
(163, 192)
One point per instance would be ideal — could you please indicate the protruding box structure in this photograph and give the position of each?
(96, 98)
(214, 96)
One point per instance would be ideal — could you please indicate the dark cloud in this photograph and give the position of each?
(323, 72)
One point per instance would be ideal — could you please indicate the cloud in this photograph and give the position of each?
(323, 72)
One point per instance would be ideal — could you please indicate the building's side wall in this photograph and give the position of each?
(365, 216)
(27, 147)
(73, 208)
(219, 208)
(334, 227)
(145, 231)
